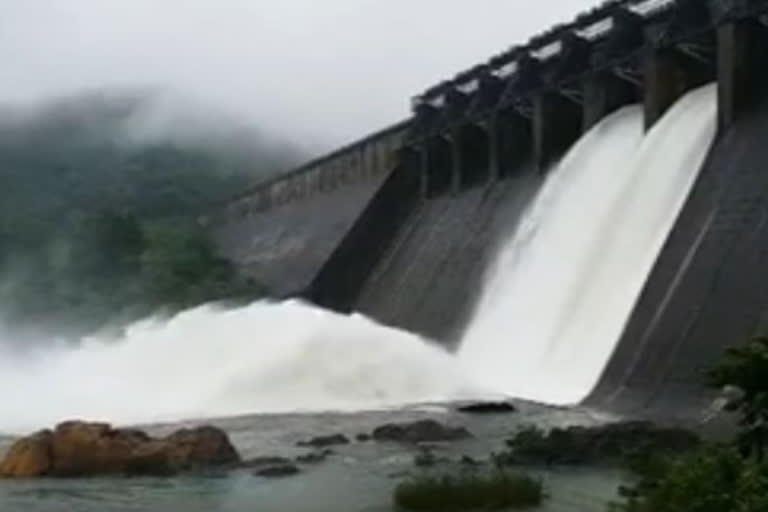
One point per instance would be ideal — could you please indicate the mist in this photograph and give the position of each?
(118, 117)
(316, 74)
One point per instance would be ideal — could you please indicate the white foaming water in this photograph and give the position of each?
(562, 289)
(209, 362)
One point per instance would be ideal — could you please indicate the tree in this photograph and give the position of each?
(745, 370)
(180, 266)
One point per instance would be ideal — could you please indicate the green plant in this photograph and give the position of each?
(745, 370)
(713, 479)
(497, 489)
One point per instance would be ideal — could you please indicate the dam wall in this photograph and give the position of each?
(525, 107)
(709, 288)
(281, 232)
(431, 275)
(407, 236)
(516, 114)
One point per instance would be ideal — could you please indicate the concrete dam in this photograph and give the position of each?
(406, 225)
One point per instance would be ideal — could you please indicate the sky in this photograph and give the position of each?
(317, 72)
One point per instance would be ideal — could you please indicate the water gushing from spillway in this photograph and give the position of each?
(563, 288)
(552, 312)
(209, 362)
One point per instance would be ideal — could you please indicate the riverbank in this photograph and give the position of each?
(359, 476)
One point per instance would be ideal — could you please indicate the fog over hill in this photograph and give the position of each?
(99, 193)
(317, 73)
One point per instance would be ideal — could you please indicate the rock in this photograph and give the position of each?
(279, 471)
(488, 408)
(420, 431)
(363, 438)
(324, 441)
(314, 457)
(77, 449)
(466, 460)
(628, 492)
(425, 460)
(200, 447)
(428, 459)
(601, 444)
(265, 461)
(29, 457)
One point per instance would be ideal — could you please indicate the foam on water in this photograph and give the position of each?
(207, 362)
(564, 286)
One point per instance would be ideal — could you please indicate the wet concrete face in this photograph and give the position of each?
(741, 46)
(557, 123)
(511, 143)
(604, 93)
(439, 166)
(474, 149)
(703, 294)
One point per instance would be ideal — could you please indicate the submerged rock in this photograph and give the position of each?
(427, 458)
(81, 449)
(363, 438)
(488, 408)
(420, 432)
(279, 471)
(466, 460)
(594, 445)
(265, 461)
(314, 457)
(324, 441)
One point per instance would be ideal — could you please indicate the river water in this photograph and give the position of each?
(359, 477)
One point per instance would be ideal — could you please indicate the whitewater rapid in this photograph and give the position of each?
(211, 362)
(552, 312)
(563, 287)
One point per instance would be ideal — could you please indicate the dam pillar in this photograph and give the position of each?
(510, 142)
(664, 84)
(605, 93)
(473, 142)
(557, 123)
(456, 164)
(422, 165)
(667, 75)
(741, 72)
(438, 156)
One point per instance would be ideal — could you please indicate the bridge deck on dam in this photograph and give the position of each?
(433, 271)
(281, 232)
(709, 288)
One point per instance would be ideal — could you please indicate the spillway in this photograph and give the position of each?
(563, 287)
(553, 308)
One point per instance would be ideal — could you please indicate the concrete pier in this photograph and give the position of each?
(557, 123)
(604, 93)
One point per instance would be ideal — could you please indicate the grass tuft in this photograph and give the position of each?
(496, 490)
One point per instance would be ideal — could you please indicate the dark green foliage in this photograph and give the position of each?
(602, 444)
(469, 491)
(713, 479)
(745, 369)
(96, 227)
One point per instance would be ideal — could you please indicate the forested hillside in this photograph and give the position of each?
(98, 207)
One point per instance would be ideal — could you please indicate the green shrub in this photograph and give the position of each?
(495, 490)
(713, 479)
(745, 369)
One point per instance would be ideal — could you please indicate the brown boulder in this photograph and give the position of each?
(29, 457)
(77, 449)
(200, 447)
